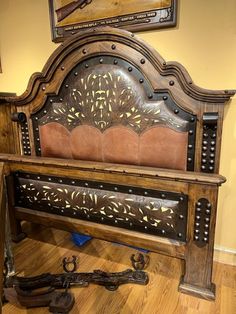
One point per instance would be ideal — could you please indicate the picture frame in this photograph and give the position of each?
(69, 17)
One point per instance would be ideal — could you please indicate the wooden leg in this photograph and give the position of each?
(2, 229)
(197, 279)
(198, 273)
(16, 231)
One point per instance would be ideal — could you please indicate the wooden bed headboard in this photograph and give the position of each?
(106, 96)
(120, 145)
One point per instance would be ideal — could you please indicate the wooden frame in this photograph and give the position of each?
(67, 19)
(198, 187)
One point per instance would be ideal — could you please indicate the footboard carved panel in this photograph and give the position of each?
(156, 212)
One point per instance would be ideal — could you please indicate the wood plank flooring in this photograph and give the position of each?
(44, 250)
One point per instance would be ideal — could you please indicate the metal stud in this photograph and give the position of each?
(73, 182)
(142, 61)
(86, 65)
(113, 46)
(190, 132)
(207, 219)
(176, 111)
(116, 188)
(171, 83)
(150, 96)
(62, 68)
(179, 235)
(130, 69)
(76, 73)
(86, 184)
(115, 61)
(66, 86)
(181, 217)
(101, 60)
(164, 97)
(130, 191)
(101, 186)
(141, 81)
(163, 195)
(84, 51)
(196, 238)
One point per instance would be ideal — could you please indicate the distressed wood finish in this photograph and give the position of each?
(196, 185)
(95, 79)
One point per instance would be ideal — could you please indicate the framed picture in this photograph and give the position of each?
(68, 17)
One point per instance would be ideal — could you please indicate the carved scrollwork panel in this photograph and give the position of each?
(156, 212)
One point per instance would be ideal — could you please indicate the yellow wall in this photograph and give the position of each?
(204, 42)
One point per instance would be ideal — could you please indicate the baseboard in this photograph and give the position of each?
(224, 255)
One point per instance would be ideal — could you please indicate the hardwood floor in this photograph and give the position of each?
(44, 250)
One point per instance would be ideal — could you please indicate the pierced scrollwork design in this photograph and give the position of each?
(160, 215)
(104, 96)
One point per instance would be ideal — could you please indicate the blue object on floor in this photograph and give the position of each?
(80, 239)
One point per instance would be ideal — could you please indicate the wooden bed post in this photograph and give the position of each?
(2, 228)
(197, 279)
(16, 232)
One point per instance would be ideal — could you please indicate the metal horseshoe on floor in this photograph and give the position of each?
(67, 261)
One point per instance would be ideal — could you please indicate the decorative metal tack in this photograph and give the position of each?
(171, 83)
(130, 69)
(84, 51)
(62, 68)
(202, 218)
(142, 61)
(113, 46)
(208, 147)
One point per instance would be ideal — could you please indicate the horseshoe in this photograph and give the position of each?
(66, 261)
(139, 261)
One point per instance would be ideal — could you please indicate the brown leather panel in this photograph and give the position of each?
(158, 147)
(164, 148)
(86, 143)
(54, 140)
(121, 145)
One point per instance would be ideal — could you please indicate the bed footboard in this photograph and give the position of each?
(170, 212)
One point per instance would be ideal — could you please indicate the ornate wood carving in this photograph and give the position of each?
(150, 211)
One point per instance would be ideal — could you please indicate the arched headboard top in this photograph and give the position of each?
(116, 42)
(107, 86)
